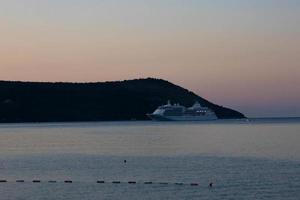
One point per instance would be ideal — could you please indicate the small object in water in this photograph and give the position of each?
(36, 181)
(3, 181)
(148, 182)
(100, 181)
(131, 182)
(210, 184)
(116, 182)
(20, 181)
(68, 181)
(125, 161)
(163, 183)
(194, 184)
(178, 183)
(51, 181)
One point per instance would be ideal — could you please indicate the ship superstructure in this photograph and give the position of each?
(177, 112)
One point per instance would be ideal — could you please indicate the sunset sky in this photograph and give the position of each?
(244, 54)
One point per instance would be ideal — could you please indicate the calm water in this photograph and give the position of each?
(258, 159)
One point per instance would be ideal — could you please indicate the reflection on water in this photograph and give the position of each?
(271, 140)
(245, 160)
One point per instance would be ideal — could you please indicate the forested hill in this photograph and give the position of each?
(120, 100)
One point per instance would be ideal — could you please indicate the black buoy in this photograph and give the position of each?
(68, 181)
(210, 184)
(163, 183)
(100, 181)
(116, 182)
(125, 161)
(51, 181)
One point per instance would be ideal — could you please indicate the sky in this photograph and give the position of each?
(243, 54)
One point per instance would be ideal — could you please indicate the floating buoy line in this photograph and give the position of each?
(107, 182)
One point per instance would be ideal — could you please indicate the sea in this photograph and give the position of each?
(241, 159)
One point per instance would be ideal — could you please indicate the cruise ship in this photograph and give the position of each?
(178, 112)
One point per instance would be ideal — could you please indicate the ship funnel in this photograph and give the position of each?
(197, 104)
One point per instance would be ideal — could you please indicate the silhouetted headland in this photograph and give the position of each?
(103, 101)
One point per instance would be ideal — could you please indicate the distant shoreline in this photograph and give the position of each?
(220, 121)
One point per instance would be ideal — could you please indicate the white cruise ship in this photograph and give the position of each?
(177, 112)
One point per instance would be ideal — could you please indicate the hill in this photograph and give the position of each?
(120, 100)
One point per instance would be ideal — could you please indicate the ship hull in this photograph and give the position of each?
(181, 118)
